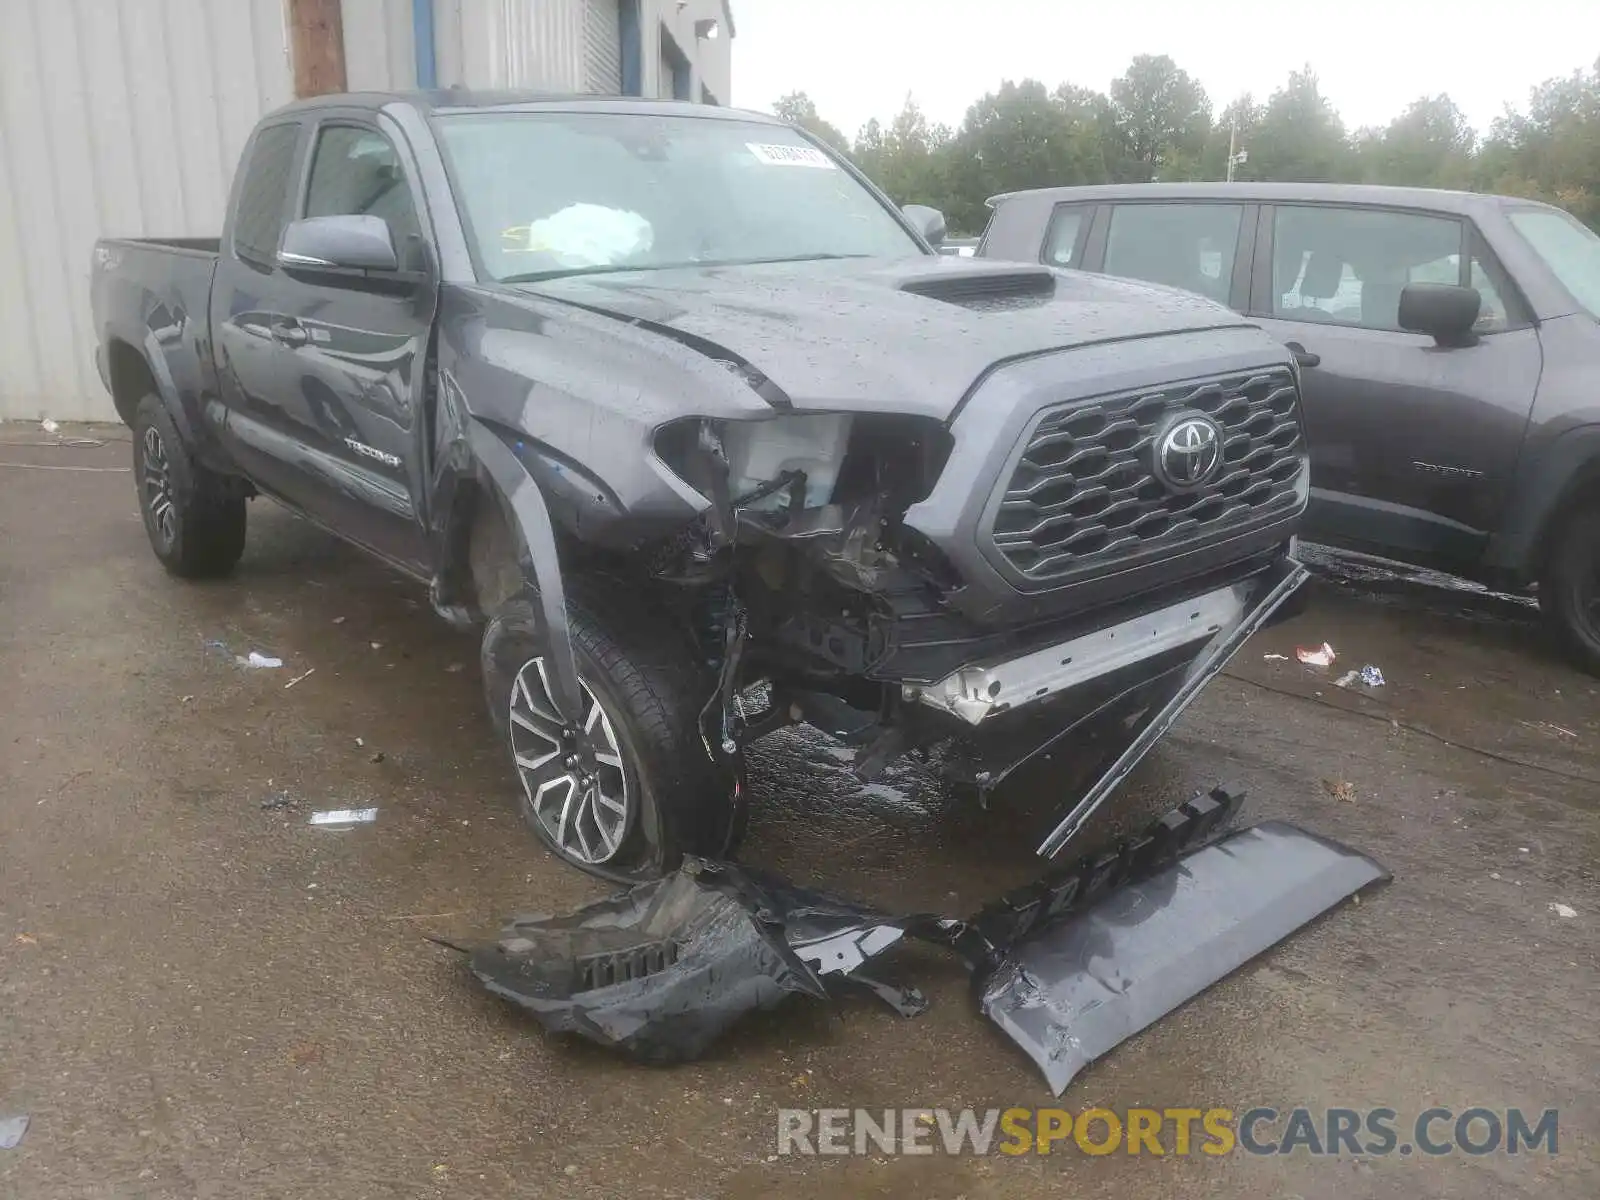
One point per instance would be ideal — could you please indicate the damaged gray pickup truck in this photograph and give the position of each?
(707, 439)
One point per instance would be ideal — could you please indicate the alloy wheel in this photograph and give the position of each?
(574, 779)
(158, 486)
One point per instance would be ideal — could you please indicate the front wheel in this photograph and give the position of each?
(627, 789)
(1569, 592)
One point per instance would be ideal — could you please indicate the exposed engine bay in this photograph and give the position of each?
(807, 587)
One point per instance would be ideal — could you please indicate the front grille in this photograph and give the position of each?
(1085, 497)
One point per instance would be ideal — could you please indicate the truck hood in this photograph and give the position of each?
(869, 335)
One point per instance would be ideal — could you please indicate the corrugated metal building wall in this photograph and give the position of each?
(126, 118)
(511, 43)
(116, 116)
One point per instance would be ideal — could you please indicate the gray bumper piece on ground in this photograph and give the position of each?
(1073, 991)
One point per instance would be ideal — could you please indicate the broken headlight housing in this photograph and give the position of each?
(843, 457)
(759, 452)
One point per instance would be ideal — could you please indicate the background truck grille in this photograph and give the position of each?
(1084, 495)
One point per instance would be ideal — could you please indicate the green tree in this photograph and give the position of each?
(909, 160)
(1428, 145)
(1235, 127)
(1162, 116)
(798, 109)
(1156, 123)
(1300, 137)
(1021, 136)
(1551, 152)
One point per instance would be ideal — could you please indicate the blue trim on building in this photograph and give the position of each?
(422, 38)
(632, 47)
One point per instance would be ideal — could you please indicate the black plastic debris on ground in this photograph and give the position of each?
(1067, 967)
(660, 971)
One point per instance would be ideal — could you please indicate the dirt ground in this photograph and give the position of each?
(203, 996)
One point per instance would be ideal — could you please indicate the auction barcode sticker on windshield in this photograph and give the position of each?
(791, 156)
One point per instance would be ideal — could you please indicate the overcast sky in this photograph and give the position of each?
(859, 58)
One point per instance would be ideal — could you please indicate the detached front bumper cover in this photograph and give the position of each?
(1067, 967)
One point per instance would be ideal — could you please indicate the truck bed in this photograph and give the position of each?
(149, 298)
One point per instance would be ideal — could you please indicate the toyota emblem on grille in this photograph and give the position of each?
(1188, 452)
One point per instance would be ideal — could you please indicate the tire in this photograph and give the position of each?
(194, 518)
(1569, 591)
(647, 753)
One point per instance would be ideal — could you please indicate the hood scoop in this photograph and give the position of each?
(987, 291)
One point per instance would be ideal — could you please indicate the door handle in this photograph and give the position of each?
(1302, 356)
(287, 331)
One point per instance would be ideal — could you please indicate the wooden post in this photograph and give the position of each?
(316, 40)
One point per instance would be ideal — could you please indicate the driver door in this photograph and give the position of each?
(352, 350)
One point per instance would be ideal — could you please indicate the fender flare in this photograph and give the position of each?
(1544, 488)
(155, 363)
(540, 562)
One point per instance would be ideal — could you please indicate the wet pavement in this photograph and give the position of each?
(203, 995)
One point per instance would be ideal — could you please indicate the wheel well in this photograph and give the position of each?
(492, 557)
(131, 379)
(481, 567)
(1583, 491)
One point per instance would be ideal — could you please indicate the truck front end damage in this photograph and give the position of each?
(1070, 559)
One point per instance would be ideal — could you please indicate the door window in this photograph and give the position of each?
(1062, 239)
(1348, 266)
(263, 194)
(356, 171)
(1190, 246)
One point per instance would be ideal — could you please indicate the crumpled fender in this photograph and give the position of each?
(540, 562)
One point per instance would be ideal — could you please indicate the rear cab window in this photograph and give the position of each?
(1188, 246)
(1066, 234)
(262, 207)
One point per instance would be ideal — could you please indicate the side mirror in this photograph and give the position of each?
(929, 222)
(360, 243)
(1445, 311)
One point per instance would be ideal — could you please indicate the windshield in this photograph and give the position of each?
(547, 194)
(1569, 248)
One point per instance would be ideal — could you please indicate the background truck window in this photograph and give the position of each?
(264, 194)
(1491, 309)
(1190, 246)
(1348, 266)
(1061, 241)
(1569, 249)
(356, 172)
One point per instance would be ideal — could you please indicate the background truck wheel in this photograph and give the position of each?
(632, 791)
(1569, 593)
(195, 518)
